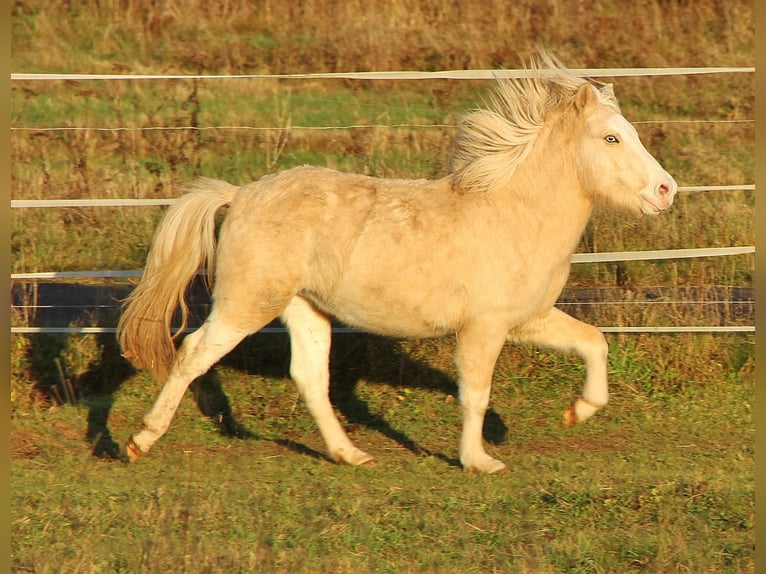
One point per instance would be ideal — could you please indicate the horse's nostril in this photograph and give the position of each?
(663, 190)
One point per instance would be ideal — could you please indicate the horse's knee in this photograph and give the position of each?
(596, 347)
(474, 397)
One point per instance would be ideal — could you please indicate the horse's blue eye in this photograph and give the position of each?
(612, 139)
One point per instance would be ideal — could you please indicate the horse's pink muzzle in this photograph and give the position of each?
(660, 198)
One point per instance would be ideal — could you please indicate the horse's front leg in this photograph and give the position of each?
(478, 346)
(558, 330)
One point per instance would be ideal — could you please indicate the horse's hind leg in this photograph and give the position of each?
(310, 337)
(198, 352)
(558, 330)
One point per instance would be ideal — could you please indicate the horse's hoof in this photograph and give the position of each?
(570, 417)
(488, 466)
(354, 457)
(132, 452)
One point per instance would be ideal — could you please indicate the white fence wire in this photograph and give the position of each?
(27, 203)
(393, 75)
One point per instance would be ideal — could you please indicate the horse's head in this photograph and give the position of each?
(612, 163)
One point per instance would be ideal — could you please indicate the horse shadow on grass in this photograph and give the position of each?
(354, 358)
(68, 369)
(357, 357)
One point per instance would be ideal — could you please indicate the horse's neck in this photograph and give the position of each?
(548, 195)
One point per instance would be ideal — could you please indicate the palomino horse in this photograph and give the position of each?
(482, 253)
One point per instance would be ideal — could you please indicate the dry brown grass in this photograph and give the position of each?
(272, 36)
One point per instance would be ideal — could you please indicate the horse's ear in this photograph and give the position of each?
(586, 97)
(607, 90)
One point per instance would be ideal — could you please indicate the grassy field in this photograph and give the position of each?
(660, 481)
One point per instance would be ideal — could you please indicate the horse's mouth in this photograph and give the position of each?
(649, 208)
(650, 205)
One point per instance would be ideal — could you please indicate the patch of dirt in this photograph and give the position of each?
(25, 444)
(612, 442)
(29, 443)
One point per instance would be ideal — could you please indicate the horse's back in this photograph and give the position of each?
(332, 211)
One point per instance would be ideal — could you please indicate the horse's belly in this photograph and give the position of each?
(381, 312)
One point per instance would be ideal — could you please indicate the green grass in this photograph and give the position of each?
(661, 480)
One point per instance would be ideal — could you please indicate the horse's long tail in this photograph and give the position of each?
(183, 242)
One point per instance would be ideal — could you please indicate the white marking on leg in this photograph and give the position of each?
(310, 339)
(595, 394)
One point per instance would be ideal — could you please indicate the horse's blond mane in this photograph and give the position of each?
(492, 142)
